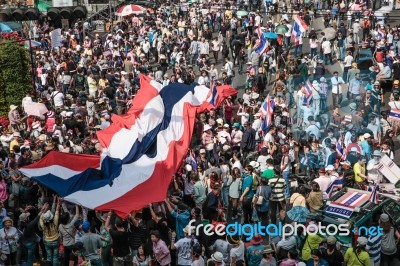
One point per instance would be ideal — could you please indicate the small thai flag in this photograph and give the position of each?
(308, 91)
(213, 94)
(394, 115)
(304, 161)
(299, 27)
(192, 160)
(339, 149)
(381, 33)
(374, 195)
(334, 186)
(267, 110)
(262, 42)
(348, 118)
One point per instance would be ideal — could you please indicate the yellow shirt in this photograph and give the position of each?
(50, 232)
(358, 169)
(13, 143)
(312, 242)
(351, 258)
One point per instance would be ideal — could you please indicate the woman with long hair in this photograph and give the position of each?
(142, 258)
(235, 185)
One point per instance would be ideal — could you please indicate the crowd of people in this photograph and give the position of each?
(239, 168)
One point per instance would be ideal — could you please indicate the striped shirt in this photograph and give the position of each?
(374, 248)
(277, 185)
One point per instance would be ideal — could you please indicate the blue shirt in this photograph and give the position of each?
(322, 262)
(254, 254)
(374, 248)
(366, 148)
(248, 183)
(182, 219)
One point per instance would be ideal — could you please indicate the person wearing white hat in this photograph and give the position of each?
(184, 253)
(217, 258)
(357, 255)
(207, 138)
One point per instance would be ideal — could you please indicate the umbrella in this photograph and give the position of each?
(242, 13)
(330, 33)
(129, 10)
(298, 214)
(281, 29)
(271, 35)
(35, 109)
(32, 43)
(5, 28)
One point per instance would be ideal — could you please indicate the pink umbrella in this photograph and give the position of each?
(129, 10)
(35, 109)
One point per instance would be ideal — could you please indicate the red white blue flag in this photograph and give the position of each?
(142, 150)
(267, 110)
(299, 27)
(374, 194)
(394, 115)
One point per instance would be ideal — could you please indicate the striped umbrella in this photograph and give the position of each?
(130, 10)
(32, 43)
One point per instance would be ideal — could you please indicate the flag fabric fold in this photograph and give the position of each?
(142, 150)
(262, 42)
(299, 27)
(336, 185)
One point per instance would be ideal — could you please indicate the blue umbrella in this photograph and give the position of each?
(298, 214)
(5, 28)
(270, 35)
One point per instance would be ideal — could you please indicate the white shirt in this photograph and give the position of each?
(58, 98)
(335, 84)
(348, 60)
(326, 47)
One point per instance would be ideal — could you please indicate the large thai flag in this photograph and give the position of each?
(141, 152)
(336, 185)
(299, 27)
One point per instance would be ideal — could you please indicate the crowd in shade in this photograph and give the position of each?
(292, 117)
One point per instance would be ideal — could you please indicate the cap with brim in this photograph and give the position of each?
(346, 163)
(256, 240)
(331, 240)
(207, 127)
(362, 241)
(226, 126)
(202, 151)
(353, 106)
(237, 125)
(384, 218)
(254, 164)
(329, 168)
(268, 173)
(366, 135)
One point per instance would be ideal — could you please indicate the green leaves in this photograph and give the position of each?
(15, 74)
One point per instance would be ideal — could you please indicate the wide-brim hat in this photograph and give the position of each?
(233, 239)
(256, 240)
(217, 256)
(5, 219)
(13, 107)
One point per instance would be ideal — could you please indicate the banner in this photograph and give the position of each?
(55, 36)
(62, 3)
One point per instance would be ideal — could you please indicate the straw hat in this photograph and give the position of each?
(13, 107)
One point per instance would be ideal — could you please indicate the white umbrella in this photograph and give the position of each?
(330, 33)
(35, 109)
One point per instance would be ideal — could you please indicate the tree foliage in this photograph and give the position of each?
(15, 75)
